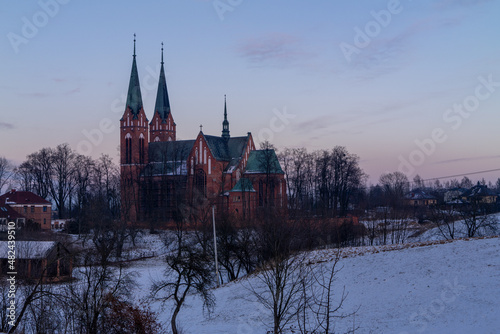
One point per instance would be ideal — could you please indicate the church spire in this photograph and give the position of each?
(162, 105)
(225, 123)
(134, 97)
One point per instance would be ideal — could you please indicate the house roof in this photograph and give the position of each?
(479, 191)
(263, 161)
(7, 212)
(417, 194)
(22, 197)
(29, 249)
(243, 185)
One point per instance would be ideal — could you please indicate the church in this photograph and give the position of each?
(163, 179)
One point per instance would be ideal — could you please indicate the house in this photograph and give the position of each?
(454, 195)
(27, 207)
(36, 258)
(419, 197)
(161, 174)
(480, 194)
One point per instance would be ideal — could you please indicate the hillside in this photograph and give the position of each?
(451, 287)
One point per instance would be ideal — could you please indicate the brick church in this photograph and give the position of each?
(163, 178)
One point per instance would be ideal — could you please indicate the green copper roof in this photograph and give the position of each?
(263, 162)
(243, 184)
(134, 98)
(162, 105)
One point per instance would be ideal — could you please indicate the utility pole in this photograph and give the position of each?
(215, 248)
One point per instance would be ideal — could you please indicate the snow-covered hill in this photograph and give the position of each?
(452, 287)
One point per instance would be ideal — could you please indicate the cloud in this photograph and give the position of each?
(317, 123)
(278, 50)
(6, 126)
(458, 3)
(465, 159)
(35, 94)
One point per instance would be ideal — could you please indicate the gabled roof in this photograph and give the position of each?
(226, 149)
(22, 197)
(263, 162)
(243, 185)
(31, 249)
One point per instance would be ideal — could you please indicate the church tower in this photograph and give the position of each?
(133, 145)
(162, 125)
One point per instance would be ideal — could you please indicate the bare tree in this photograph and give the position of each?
(6, 171)
(188, 271)
(445, 217)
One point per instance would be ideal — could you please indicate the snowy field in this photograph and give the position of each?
(452, 287)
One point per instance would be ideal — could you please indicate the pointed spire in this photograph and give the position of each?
(162, 105)
(225, 123)
(134, 97)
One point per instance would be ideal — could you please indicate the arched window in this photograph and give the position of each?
(141, 149)
(205, 155)
(128, 149)
(157, 139)
(209, 165)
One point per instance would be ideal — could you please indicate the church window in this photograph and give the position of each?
(201, 181)
(128, 149)
(209, 165)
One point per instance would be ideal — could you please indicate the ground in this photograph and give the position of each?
(451, 287)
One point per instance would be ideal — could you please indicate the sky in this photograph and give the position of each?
(406, 85)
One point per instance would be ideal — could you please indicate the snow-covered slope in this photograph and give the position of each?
(442, 288)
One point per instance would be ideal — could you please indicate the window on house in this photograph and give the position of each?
(25, 209)
(32, 209)
(44, 209)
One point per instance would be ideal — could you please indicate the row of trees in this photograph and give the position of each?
(73, 182)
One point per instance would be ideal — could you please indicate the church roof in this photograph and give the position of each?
(242, 185)
(170, 150)
(134, 97)
(168, 157)
(263, 161)
(226, 149)
(162, 105)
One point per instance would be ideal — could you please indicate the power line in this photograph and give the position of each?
(464, 174)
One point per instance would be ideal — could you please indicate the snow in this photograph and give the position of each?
(434, 287)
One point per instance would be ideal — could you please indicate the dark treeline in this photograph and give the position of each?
(74, 183)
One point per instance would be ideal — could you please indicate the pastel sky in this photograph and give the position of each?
(408, 85)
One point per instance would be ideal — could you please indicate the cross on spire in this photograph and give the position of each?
(162, 53)
(201, 127)
(134, 44)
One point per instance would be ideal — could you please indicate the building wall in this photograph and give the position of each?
(40, 213)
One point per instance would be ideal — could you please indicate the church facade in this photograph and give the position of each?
(163, 179)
